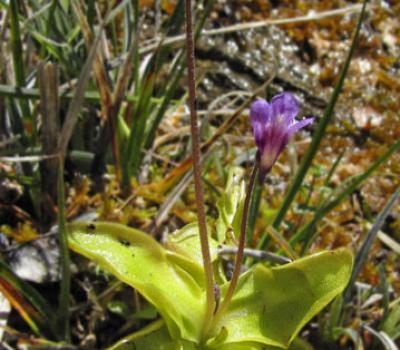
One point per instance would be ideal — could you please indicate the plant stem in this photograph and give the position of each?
(240, 252)
(196, 155)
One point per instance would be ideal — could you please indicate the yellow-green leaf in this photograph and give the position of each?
(272, 305)
(140, 261)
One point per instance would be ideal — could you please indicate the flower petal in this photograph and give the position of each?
(260, 110)
(258, 131)
(260, 114)
(285, 106)
(299, 125)
(273, 125)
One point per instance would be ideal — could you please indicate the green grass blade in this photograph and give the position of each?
(305, 234)
(173, 26)
(134, 153)
(16, 44)
(365, 248)
(145, 125)
(333, 168)
(17, 120)
(334, 318)
(319, 133)
(321, 197)
(48, 24)
(140, 120)
(116, 10)
(135, 42)
(166, 101)
(124, 146)
(18, 58)
(150, 328)
(128, 28)
(76, 103)
(28, 302)
(34, 94)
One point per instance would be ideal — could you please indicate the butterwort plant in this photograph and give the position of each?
(262, 308)
(268, 308)
(199, 307)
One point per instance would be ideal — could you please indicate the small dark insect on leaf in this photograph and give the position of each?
(91, 227)
(124, 242)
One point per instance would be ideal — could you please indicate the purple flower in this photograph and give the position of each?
(273, 125)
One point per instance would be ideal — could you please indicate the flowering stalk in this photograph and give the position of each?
(196, 155)
(240, 252)
(273, 125)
